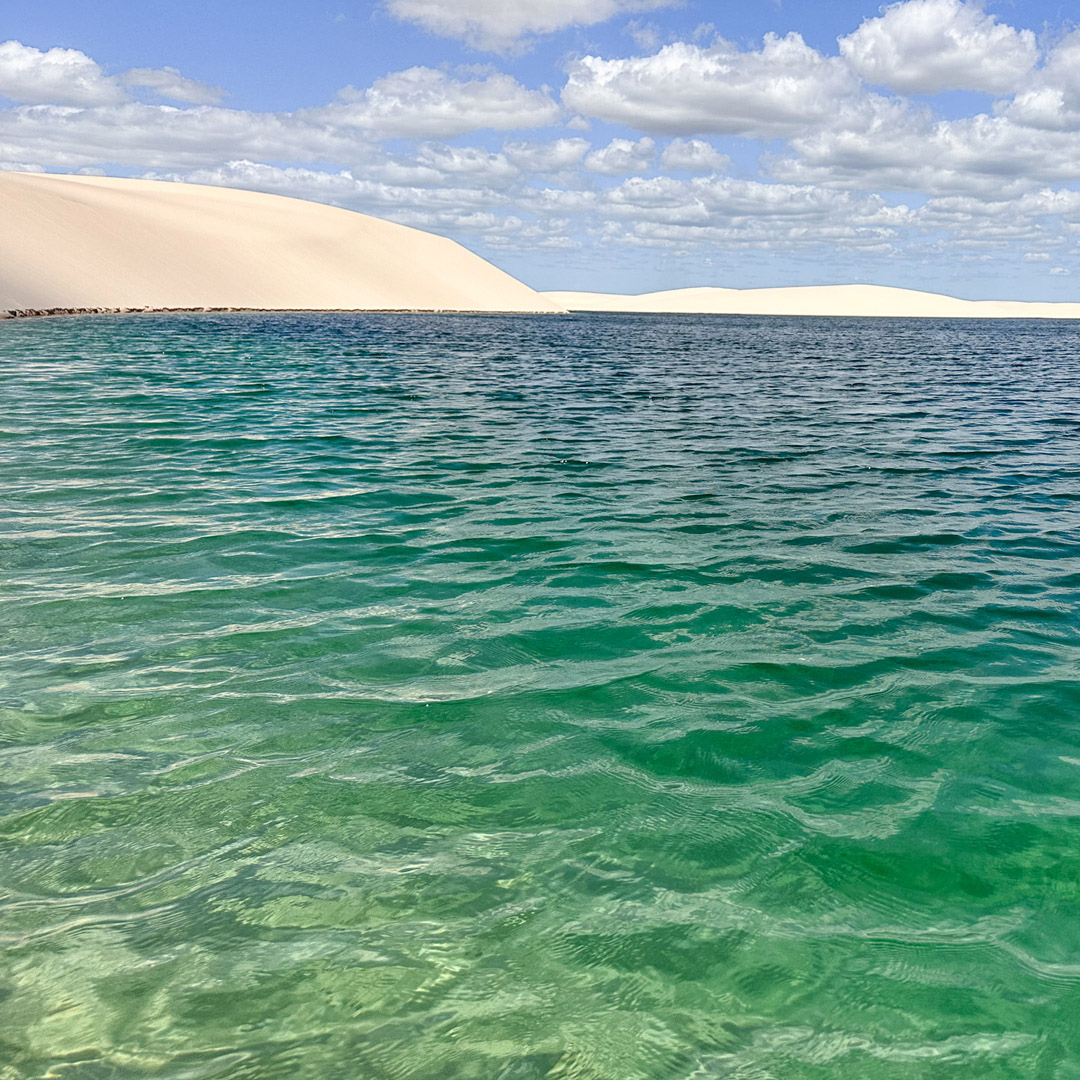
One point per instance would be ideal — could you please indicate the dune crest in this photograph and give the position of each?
(86, 242)
(843, 300)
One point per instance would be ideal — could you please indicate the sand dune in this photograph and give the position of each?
(102, 242)
(815, 300)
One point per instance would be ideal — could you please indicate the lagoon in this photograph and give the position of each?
(597, 697)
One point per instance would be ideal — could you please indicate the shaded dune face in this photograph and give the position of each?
(100, 242)
(840, 300)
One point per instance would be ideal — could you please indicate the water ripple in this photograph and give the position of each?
(596, 698)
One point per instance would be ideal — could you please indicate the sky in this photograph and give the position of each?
(610, 145)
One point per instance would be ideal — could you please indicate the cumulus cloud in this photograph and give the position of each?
(983, 156)
(169, 83)
(621, 156)
(687, 89)
(664, 212)
(418, 103)
(926, 46)
(467, 163)
(1029, 217)
(56, 76)
(68, 77)
(546, 158)
(655, 212)
(693, 155)
(501, 25)
(161, 136)
(423, 101)
(1051, 99)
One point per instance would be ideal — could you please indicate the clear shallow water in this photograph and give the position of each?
(598, 698)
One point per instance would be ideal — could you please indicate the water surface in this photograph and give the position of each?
(588, 698)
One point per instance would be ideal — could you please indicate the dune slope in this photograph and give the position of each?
(104, 242)
(876, 300)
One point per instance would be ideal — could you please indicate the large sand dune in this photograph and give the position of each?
(85, 242)
(814, 300)
(101, 242)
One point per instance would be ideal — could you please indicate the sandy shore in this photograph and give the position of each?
(844, 300)
(85, 243)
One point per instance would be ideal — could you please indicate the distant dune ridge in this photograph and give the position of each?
(877, 300)
(93, 242)
(85, 242)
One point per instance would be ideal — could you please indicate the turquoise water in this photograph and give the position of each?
(590, 698)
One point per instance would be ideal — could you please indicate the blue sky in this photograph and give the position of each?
(621, 145)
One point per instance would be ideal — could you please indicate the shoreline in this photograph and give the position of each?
(57, 312)
(20, 314)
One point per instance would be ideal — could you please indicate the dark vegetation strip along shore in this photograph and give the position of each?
(40, 313)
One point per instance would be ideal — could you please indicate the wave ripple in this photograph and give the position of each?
(593, 698)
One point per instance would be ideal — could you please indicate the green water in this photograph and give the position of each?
(589, 698)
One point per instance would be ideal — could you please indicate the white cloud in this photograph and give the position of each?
(362, 188)
(169, 83)
(68, 77)
(161, 136)
(658, 212)
(423, 101)
(984, 156)
(663, 212)
(546, 158)
(1051, 100)
(57, 77)
(500, 25)
(1058, 271)
(693, 155)
(458, 163)
(621, 156)
(331, 187)
(418, 103)
(1028, 216)
(926, 46)
(688, 90)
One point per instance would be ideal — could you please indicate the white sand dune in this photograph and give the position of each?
(84, 242)
(876, 300)
(102, 242)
